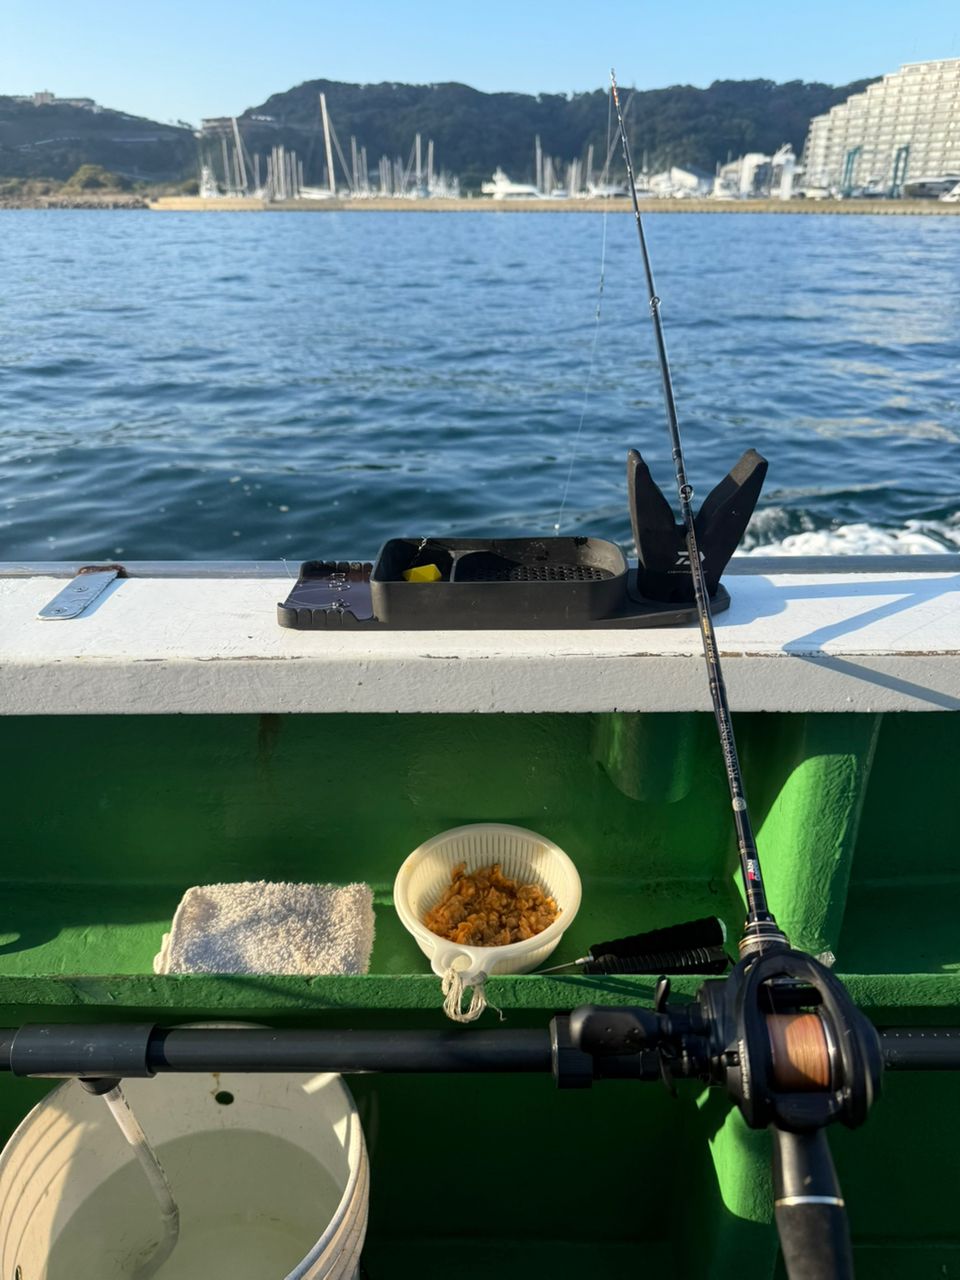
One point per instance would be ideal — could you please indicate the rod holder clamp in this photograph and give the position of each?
(93, 1051)
(572, 1067)
(663, 569)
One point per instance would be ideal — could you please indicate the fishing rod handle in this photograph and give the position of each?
(708, 931)
(687, 960)
(809, 1209)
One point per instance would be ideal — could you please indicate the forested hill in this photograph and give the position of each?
(473, 131)
(54, 140)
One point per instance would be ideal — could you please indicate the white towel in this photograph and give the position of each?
(260, 927)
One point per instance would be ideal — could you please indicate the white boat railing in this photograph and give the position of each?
(739, 566)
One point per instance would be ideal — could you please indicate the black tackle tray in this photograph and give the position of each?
(484, 584)
(509, 582)
(526, 583)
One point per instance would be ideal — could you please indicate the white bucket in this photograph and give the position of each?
(259, 1166)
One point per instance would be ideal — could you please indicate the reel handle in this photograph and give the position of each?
(809, 1209)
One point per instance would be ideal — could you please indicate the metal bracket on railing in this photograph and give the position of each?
(91, 581)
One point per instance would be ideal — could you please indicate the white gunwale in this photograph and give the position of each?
(877, 634)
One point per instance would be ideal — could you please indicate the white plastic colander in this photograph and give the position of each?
(523, 856)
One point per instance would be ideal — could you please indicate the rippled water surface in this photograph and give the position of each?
(296, 385)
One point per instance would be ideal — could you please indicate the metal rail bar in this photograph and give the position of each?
(920, 1048)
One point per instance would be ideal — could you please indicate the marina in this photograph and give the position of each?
(871, 137)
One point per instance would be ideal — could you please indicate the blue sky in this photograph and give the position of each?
(172, 59)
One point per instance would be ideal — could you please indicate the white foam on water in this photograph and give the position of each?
(916, 537)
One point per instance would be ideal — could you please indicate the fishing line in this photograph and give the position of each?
(588, 387)
(594, 344)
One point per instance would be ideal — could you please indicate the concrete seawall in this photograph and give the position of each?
(248, 204)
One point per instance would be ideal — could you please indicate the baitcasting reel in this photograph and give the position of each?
(783, 1038)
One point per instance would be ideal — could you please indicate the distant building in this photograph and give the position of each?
(47, 99)
(215, 126)
(903, 129)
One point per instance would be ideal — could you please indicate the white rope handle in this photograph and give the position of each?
(453, 991)
(453, 988)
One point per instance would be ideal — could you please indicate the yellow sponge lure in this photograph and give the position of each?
(422, 573)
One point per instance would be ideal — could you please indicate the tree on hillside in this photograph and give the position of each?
(93, 177)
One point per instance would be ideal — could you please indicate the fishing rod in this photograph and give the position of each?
(780, 1034)
(761, 931)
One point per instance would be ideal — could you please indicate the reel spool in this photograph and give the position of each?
(799, 1051)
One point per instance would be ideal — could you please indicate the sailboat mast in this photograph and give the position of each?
(240, 164)
(326, 142)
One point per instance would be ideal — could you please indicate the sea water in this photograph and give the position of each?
(252, 1205)
(307, 385)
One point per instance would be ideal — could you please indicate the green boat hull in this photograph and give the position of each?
(108, 819)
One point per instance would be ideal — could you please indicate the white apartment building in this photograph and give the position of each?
(902, 128)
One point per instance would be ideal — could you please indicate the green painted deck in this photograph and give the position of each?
(108, 819)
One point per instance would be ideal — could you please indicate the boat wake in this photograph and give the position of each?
(914, 537)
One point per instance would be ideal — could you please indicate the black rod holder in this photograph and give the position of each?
(663, 570)
(347, 1052)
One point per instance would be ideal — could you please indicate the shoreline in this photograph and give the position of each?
(250, 204)
(115, 200)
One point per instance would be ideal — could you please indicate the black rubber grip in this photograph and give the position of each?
(706, 932)
(691, 960)
(809, 1210)
(815, 1242)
